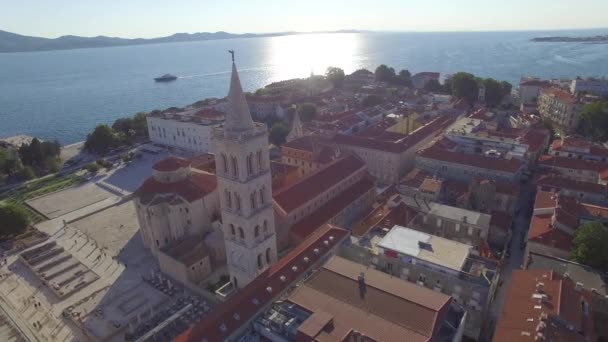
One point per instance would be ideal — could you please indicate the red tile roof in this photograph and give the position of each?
(297, 194)
(536, 139)
(569, 184)
(498, 164)
(171, 164)
(522, 314)
(543, 232)
(192, 188)
(551, 161)
(501, 220)
(330, 209)
(401, 145)
(240, 307)
(559, 94)
(536, 83)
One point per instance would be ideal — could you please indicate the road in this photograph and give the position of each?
(521, 223)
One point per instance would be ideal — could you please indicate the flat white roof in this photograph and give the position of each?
(431, 248)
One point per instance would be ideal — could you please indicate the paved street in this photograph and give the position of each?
(521, 222)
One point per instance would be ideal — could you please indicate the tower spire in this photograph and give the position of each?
(238, 117)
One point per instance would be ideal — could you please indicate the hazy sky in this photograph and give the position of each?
(152, 18)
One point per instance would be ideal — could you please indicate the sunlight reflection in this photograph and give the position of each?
(296, 56)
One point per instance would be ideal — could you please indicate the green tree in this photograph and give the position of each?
(594, 121)
(278, 133)
(384, 73)
(140, 124)
(433, 86)
(335, 76)
(123, 125)
(494, 92)
(8, 163)
(506, 88)
(13, 220)
(590, 245)
(92, 167)
(371, 101)
(101, 140)
(52, 164)
(464, 86)
(307, 111)
(27, 173)
(447, 86)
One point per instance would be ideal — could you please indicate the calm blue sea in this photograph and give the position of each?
(64, 94)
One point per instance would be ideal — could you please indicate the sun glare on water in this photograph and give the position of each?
(297, 55)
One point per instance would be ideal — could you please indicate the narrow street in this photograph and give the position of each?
(521, 222)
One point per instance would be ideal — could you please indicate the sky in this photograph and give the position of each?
(155, 18)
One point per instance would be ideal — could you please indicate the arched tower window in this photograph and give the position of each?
(235, 166)
(241, 233)
(265, 226)
(228, 197)
(256, 231)
(237, 201)
(250, 164)
(262, 195)
(224, 164)
(232, 231)
(260, 263)
(252, 200)
(259, 157)
(268, 256)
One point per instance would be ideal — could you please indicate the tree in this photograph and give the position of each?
(335, 76)
(594, 120)
(13, 220)
(384, 73)
(433, 86)
(371, 101)
(447, 86)
(8, 163)
(405, 73)
(123, 125)
(52, 164)
(494, 92)
(506, 88)
(590, 245)
(464, 86)
(140, 124)
(27, 173)
(307, 112)
(101, 140)
(92, 167)
(278, 133)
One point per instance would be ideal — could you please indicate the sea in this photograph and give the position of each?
(64, 94)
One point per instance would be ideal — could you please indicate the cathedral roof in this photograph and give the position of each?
(171, 164)
(238, 117)
(197, 186)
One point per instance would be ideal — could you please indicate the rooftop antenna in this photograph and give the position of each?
(232, 53)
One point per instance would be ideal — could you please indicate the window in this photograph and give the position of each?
(260, 161)
(250, 165)
(422, 278)
(235, 166)
(265, 226)
(224, 163)
(228, 197)
(241, 233)
(232, 231)
(256, 231)
(260, 261)
(268, 256)
(261, 196)
(252, 200)
(237, 198)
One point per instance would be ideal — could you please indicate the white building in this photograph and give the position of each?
(595, 86)
(189, 130)
(244, 184)
(175, 203)
(529, 89)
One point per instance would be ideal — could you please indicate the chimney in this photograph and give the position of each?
(578, 286)
(362, 286)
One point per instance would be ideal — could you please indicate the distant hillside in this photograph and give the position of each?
(594, 39)
(12, 42)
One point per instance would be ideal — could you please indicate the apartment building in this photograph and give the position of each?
(561, 108)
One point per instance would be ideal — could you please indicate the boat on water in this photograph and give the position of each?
(166, 78)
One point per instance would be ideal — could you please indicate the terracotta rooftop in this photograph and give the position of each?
(398, 146)
(498, 164)
(306, 189)
(171, 164)
(188, 251)
(571, 163)
(542, 302)
(542, 231)
(330, 209)
(192, 188)
(415, 178)
(536, 83)
(305, 143)
(501, 220)
(559, 94)
(553, 181)
(389, 310)
(579, 145)
(247, 302)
